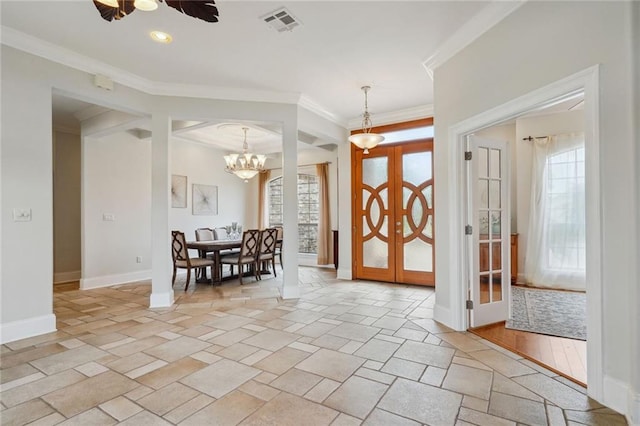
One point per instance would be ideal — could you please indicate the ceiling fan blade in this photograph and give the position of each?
(108, 13)
(201, 9)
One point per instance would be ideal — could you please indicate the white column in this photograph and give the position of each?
(161, 263)
(290, 289)
(345, 227)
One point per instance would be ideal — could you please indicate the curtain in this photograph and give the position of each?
(324, 218)
(555, 254)
(263, 181)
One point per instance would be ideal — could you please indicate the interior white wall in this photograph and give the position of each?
(205, 165)
(117, 182)
(26, 181)
(543, 125)
(540, 43)
(66, 206)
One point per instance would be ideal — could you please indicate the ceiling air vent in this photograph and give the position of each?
(281, 20)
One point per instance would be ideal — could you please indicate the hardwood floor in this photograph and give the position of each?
(567, 357)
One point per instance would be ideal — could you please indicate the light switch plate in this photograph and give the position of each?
(21, 215)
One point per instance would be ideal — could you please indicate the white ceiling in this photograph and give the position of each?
(339, 47)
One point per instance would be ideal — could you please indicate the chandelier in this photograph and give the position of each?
(118, 9)
(366, 139)
(245, 165)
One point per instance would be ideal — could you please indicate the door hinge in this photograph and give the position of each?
(467, 155)
(469, 304)
(468, 230)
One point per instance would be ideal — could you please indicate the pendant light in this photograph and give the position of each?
(366, 140)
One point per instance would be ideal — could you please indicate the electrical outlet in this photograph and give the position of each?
(21, 215)
(108, 217)
(138, 259)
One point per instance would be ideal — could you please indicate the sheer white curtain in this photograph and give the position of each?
(555, 255)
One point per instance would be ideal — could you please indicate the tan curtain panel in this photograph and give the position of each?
(324, 217)
(263, 181)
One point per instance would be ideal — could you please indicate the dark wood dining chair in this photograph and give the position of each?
(248, 255)
(268, 241)
(278, 252)
(181, 259)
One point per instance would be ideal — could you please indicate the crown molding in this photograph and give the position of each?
(307, 103)
(393, 117)
(63, 56)
(66, 129)
(488, 17)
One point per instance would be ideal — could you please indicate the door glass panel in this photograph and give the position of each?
(485, 296)
(375, 248)
(416, 174)
(416, 167)
(484, 257)
(483, 162)
(494, 162)
(494, 195)
(376, 251)
(496, 225)
(428, 230)
(418, 256)
(483, 225)
(496, 257)
(496, 294)
(428, 195)
(375, 171)
(483, 192)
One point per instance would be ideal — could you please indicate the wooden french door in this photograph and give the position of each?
(393, 213)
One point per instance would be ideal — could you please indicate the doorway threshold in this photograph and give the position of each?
(565, 357)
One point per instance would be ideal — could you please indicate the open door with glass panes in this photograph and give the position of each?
(488, 236)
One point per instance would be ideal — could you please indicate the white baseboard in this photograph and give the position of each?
(344, 273)
(65, 277)
(619, 396)
(161, 300)
(443, 315)
(21, 329)
(110, 280)
(290, 292)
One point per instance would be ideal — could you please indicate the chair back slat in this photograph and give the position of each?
(250, 243)
(204, 234)
(268, 241)
(179, 246)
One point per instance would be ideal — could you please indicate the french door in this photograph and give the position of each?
(489, 243)
(393, 213)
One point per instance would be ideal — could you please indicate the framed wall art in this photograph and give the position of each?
(205, 200)
(179, 191)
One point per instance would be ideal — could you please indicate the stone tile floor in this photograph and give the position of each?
(345, 353)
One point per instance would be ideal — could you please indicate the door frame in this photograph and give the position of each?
(586, 81)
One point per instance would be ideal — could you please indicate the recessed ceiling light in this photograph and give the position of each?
(161, 37)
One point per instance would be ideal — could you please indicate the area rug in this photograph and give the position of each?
(556, 313)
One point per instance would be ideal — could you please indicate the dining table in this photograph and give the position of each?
(215, 247)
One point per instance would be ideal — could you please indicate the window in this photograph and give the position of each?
(565, 233)
(308, 202)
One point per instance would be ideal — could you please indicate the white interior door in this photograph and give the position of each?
(489, 242)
